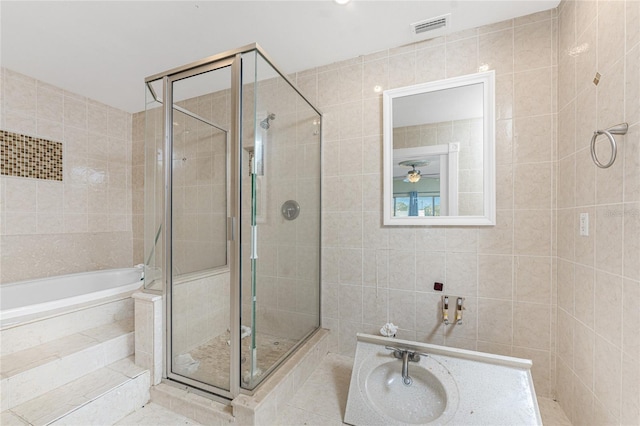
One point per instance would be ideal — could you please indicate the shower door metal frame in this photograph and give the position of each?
(231, 58)
(233, 212)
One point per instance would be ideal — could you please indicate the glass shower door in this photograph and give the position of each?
(200, 341)
(280, 220)
(234, 229)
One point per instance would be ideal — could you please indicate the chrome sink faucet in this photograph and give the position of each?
(406, 356)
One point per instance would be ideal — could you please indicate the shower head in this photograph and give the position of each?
(265, 124)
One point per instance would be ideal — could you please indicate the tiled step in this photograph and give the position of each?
(32, 372)
(28, 333)
(102, 397)
(155, 415)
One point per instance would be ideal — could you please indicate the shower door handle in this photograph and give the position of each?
(231, 228)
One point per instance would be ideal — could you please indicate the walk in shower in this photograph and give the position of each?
(232, 218)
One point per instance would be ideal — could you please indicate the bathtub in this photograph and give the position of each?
(43, 295)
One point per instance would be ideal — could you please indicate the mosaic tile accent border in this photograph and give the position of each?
(30, 157)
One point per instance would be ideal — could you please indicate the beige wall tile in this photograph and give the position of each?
(567, 131)
(607, 377)
(532, 323)
(630, 410)
(504, 98)
(532, 92)
(586, 107)
(430, 63)
(608, 243)
(632, 85)
(50, 103)
(610, 92)
(495, 276)
(585, 177)
(402, 270)
(607, 313)
(584, 295)
(565, 342)
(495, 51)
(402, 69)
(75, 112)
(429, 326)
(566, 186)
(495, 321)
(20, 93)
(584, 52)
(583, 349)
(532, 186)
(532, 45)
(533, 279)
(20, 195)
(583, 404)
(402, 309)
(430, 268)
(566, 285)
(499, 239)
(533, 139)
(631, 244)
(630, 316)
(532, 232)
(564, 386)
(461, 274)
(566, 82)
(611, 33)
(462, 57)
(586, 12)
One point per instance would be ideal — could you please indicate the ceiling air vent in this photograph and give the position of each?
(430, 24)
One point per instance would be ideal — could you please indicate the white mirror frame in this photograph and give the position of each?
(489, 166)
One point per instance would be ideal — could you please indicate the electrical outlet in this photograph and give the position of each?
(584, 224)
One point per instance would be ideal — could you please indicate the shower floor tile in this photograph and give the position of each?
(213, 357)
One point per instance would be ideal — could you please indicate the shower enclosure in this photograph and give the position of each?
(232, 218)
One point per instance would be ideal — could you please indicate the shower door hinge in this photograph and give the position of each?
(231, 228)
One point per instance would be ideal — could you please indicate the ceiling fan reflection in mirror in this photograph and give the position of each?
(414, 174)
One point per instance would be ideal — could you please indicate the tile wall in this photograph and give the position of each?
(373, 274)
(83, 222)
(598, 363)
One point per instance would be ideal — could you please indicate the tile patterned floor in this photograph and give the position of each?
(321, 401)
(155, 415)
(213, 357)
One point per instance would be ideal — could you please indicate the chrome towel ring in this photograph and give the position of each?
(618, 129)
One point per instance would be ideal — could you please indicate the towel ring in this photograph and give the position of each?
(619, 129)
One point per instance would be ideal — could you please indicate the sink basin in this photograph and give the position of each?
(431, 397)
(423, 401)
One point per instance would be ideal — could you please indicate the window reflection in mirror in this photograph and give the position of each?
(439, 152)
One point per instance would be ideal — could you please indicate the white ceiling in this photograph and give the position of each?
(105, 49)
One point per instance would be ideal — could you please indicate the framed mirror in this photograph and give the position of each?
(439, 152)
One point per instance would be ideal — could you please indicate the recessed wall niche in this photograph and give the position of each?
(30, 157)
